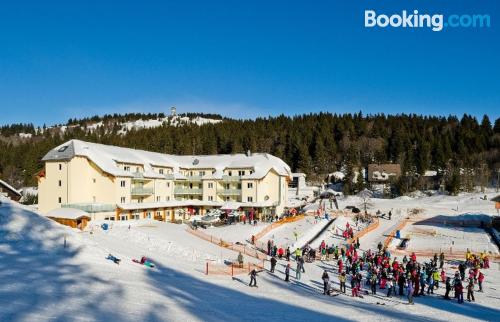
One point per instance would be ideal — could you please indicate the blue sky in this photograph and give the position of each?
(62, 59)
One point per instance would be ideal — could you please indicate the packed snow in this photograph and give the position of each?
(52, 272)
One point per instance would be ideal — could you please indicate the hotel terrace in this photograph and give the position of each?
(116, 183)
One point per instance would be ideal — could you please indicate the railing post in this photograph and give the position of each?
(206, 270)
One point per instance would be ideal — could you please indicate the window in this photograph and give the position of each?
(191, 173)
(168, 184)
(123, 217)
(59, 200)
(62, 149)
(137, 169)
(60, 183)
(158, 214)
(241, 173)
(202, 173)
(60, 166)
(93, 180)
(210, 185)
(250, 185)
(122, 199)
(167, 198)
(158, 199)
(210, 198)
(122, 183)
(161, 171)
(227, 186)
(239, 185)
(251, 171)
(126, 168)
(141, 199)
(230, 173)
(250, 199)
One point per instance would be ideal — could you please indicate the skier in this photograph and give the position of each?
(288, 254)
(326, 281)
(470, 291)
(459, 291)
(448, 288)
(441, 260)
(401, 283)
(461, 268)
(273, 263)
(253, 279)
(287, 273)
(354, 286)
(240, 259)
(390, 287)
(302, 264)
(480, 280)
(342, 279)
(410, 292)
(298, 271)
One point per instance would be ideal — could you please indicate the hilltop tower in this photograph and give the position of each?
(173, 111)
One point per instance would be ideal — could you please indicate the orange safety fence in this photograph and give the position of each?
(226, 244)
(372, 226)
(231, 269)
(392, 234)
(277, 224)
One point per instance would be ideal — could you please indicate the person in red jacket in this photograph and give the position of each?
(480, 280)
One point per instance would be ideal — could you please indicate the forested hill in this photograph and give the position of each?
(317, 144)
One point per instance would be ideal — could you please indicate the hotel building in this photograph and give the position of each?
(116, 183)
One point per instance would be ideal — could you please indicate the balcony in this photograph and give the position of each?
(188, 191)
(231, 178)
(194, 178)
(141, 191)
(91, 207)
(169, 176)
(229, 192)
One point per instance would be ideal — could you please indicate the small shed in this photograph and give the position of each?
(9, 191)
(71, 217)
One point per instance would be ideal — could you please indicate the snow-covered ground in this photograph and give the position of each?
(445, 238)
(237, 232)
(41, 280)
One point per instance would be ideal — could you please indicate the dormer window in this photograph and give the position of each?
(161, 171)
(126, 168)
(230, 173)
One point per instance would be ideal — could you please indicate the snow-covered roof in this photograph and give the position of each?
(108, 158)
(11, 188)
(67, 213)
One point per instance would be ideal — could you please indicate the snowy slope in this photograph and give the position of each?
(40, 280)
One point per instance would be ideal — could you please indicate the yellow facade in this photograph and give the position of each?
(81, 183)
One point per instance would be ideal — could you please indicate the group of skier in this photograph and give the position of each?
(379, 271)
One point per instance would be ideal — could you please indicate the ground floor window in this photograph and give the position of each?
(123, 217)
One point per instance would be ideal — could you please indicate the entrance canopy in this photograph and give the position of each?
(230, 205)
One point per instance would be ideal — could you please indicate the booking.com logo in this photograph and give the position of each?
(437, 22)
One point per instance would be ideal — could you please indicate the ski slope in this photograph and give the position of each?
(41, 280)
